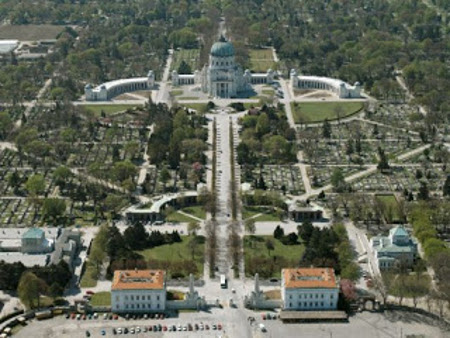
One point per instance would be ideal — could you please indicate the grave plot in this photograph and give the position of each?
(275, 177)
(321, 175)
(18, 212)
(402, 178)
(398, 115)
(177, 181)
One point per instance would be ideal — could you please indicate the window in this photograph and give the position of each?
(331, 296)
(157, 297)
(132, 297)
(316, 303)
(126, 306)
(132, 306)
(126, 297)
(321, 296)
(137, 297)
(317, 296)
(137, 306)
(290, 296)
(290, 304)
(149, 297)
(321, 303)
(157, 306)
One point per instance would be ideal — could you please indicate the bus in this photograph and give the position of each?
(223, 282)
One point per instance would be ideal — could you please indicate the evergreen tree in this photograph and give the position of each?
(184, 68)
(326, 129)
(446, 187)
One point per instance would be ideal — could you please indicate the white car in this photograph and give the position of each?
(119, 330)
(179, 328)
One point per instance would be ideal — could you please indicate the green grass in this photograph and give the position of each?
(190, 56)
(261, 60)
(268, 92)
(101, 299)
(188, 98)
(268, 215)
(196, 211)
(309, 112)
(257, 247)
(390, 203)
(176, 252)
(176, 92)
(282, 256)
(197, 106)
(87, 281)
(108, 109)
(176, 217)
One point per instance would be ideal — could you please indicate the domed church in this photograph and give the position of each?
(222, 77)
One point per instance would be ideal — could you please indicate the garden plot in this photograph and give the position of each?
(277, 177)
(190, 56)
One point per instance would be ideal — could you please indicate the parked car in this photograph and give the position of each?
(89, 292)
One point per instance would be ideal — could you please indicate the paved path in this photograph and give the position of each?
(302, 166)
(162, 93)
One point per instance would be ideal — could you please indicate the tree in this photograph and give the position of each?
(53, 208)
(193, 227)
(446, 187)
(278, 233)
(184, 68)
(424, 193)
(326, 129)
(383, 163)
(61, 175)
(5, 124)
(270, 245)
(337, 180)
(123, 170)
(30, 289)
(35, 184)
(164, 177)
(250, 226)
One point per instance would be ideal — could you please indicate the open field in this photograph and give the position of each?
(177, 253)
(30, 32)
(108, 109)
(176, 217)
(261, 60)
(190, 56)
(309, 112)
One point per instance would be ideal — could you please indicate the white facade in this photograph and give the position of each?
(144, 300)
(314, 299)
(108, 90)
(340, 88)
(309, 289)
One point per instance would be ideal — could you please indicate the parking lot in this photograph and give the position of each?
(389, 324)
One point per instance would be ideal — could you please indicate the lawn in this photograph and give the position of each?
(309, 112)
(424, 281)
(176, 253)
(267, 215)
(391, 205)
(186, 98)
(176, 217)
(261, 60)
(190, 56)
(196, 210)
(199, 107)
(101, 299)
(108, 109)
(258, 259)
(176, 92)
(87, 281)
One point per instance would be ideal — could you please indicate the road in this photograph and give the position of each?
(162, 93)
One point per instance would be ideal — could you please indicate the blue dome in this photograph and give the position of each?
(223, 48)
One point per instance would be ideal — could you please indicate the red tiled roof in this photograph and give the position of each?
(138, 279)
(309, 278)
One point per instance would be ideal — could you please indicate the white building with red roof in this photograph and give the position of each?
(138, 291)
(309, 289)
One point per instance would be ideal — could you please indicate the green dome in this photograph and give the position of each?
(223, 48)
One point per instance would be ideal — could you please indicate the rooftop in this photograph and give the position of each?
(138, 279)
(309, 278)
(222, 48)
(34, 233)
